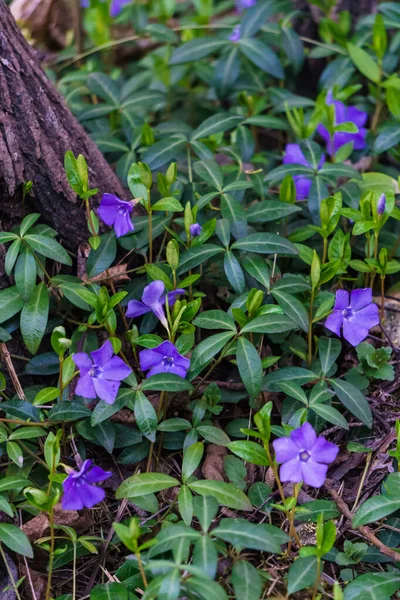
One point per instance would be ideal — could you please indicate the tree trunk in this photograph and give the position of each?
(36, 129)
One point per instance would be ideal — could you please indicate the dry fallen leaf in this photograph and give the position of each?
(47, 21)
(38, 526)
(213, 467)
(39, 584)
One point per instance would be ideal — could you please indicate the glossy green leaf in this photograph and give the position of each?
(34, 318)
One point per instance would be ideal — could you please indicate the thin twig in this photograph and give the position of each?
(10, 367)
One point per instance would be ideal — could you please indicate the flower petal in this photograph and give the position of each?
(285, 449)
(179, 370)
(108, 209)
(167, 348)
(172, 296)
(302, 186)
(291, 471)
(149, 358)
(357, 116)
(341, 300)
(116, 369)
(334, 322)
(353, 332)
(85, 387)
(103, 355)
(97, 474)
(360, 298)
(324, 451)
(71, 499)
(367, 316)
(294, 155)
(82, 361)
(305, 436)
(314, 473)
(123, 224)
(91, 494)
(152, 293)
(106, 390)
(136, 309)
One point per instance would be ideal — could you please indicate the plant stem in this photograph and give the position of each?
(51, 557)
(74, 574)
(316, 584)
(10, 575)
(275, 472)
(310, 329)
(382, 299)
(159, 409)
(150, 223)
(292, 531)
(325, 250)
(141, 569)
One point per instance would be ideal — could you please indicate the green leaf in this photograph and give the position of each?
(197, 255)
(309, 511)
(262, 56)
(166, 382)
(302, 574)
(270, 323)
(376, 508)
(214, 319)
(103, 86)
(15, 454)
(210, 172)
(257, 267)
(15, 539)
(206, 588)
(328, 350)
(353, 400)
(265, 243)
(168, 205)
(20, 409)
(270, 210)
(105, 434)
(68, 411)
(373, 586)
(7, 236)
(146, 416)
(25, 274)
(185, 504)
(387, 138)
(34, 318)
(213, 434)
(205, 556)
(208, 348)
(234, 273)
(6, 507)
(241, 534)
(292, 389)
(191, 460)
(364, 63)
(10, 303)
(255, 17)
(277, 175)
(330, 414)
(13, 482)
(246, 581)
(225, 493)
(250, 452)
(49, 248)
(295, 374)
(99, 260)
(216, 124)
(249, 365)
(196, 49)
(145, 483)
(79, 295)
(163, 152)
(340, 170)
(27, 433)
(110, 591)
(11, 256)
(292, 306)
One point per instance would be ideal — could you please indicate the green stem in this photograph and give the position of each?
(150, 223)
(292, 531)
(189, 160)
(10, 575)
(275, 472)
(376, 240)
(310, 328)
(74, 574)
(141, 569)
(316, 584)
(382, 299)
(51, 557)
(325, 250)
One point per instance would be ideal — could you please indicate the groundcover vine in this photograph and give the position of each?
(201, 402)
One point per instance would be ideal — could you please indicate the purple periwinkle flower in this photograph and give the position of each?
(305, 456)
(79, 491)
(116, 212)
(85, 3)
(153, 299)
(101, 373)
(343, 114)
(244, 4)
(381, 205)
(294, 155)
(117, 6)
(195, 229)
(356, 315)
(235, 35)
(163, 359)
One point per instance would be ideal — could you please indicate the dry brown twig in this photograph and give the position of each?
(10, 367)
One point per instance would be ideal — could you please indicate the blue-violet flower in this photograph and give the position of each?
(153, 299)
(195, 229)
(79, 491)
(343, 114)
(381, 205)
(163, 359)
(235, 35)
(116, 212)
(294, 155)
(356, 315)
(101, 373)
(305, 456)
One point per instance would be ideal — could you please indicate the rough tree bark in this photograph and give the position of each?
(36, 129)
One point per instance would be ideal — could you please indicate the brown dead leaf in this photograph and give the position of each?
(113, 275)
(39, 583)
(83, 253)
(213, 466)
(39, 525)
(47, 21)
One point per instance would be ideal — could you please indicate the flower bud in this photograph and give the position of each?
(381, 205)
